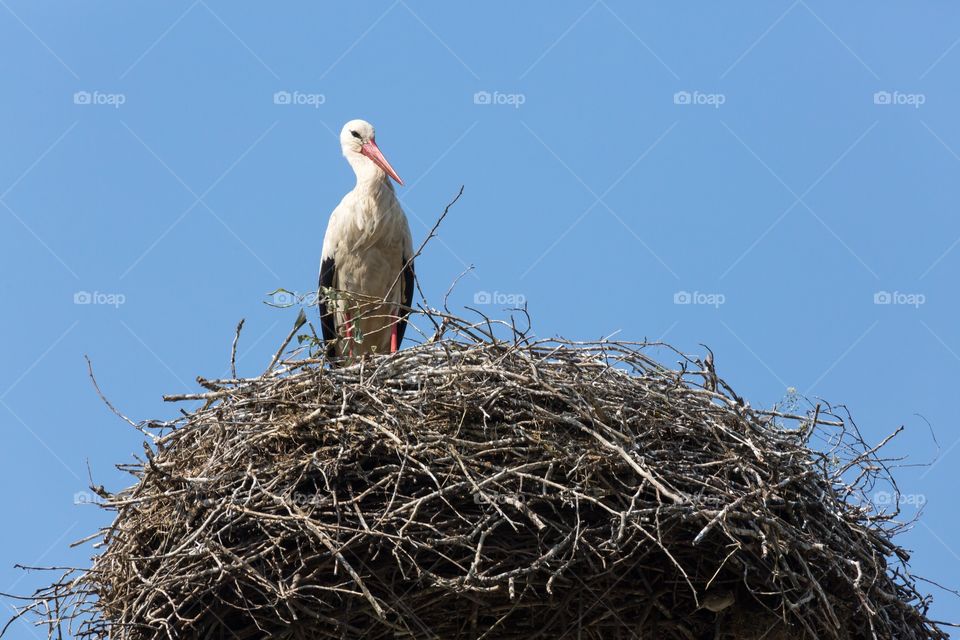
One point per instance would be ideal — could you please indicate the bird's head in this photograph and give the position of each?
(359, 144)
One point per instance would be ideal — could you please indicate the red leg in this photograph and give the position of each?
(393, 336)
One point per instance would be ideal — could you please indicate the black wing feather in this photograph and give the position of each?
(328, 321)
(407, 299)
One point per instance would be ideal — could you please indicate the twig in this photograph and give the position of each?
(416, 254)
(300, 321)
(233, 350)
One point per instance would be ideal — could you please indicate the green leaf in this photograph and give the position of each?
(301, 320)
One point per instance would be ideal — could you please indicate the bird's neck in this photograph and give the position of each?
(371, 180)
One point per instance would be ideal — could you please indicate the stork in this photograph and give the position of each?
(366, 267)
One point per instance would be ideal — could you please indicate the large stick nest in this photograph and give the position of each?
(479, 487)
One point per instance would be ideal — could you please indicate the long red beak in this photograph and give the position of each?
(372, 151)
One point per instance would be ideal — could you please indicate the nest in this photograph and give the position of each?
(484, 487)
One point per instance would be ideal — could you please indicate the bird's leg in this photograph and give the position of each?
(393, 334)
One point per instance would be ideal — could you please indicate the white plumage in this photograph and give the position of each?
(365, 256)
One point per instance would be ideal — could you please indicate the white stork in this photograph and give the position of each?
(365, 249)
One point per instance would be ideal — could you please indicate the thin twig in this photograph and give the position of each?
(233, 350)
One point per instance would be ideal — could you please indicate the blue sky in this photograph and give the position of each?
(787, 169)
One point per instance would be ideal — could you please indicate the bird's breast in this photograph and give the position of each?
(373, 220)
(372, 234)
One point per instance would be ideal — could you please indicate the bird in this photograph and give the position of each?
(718, 601)
(366, 265)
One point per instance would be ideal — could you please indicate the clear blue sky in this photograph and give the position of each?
(780, 187)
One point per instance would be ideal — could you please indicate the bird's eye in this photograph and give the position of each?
(355, 134)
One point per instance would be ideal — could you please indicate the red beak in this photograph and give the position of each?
(372, 151)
